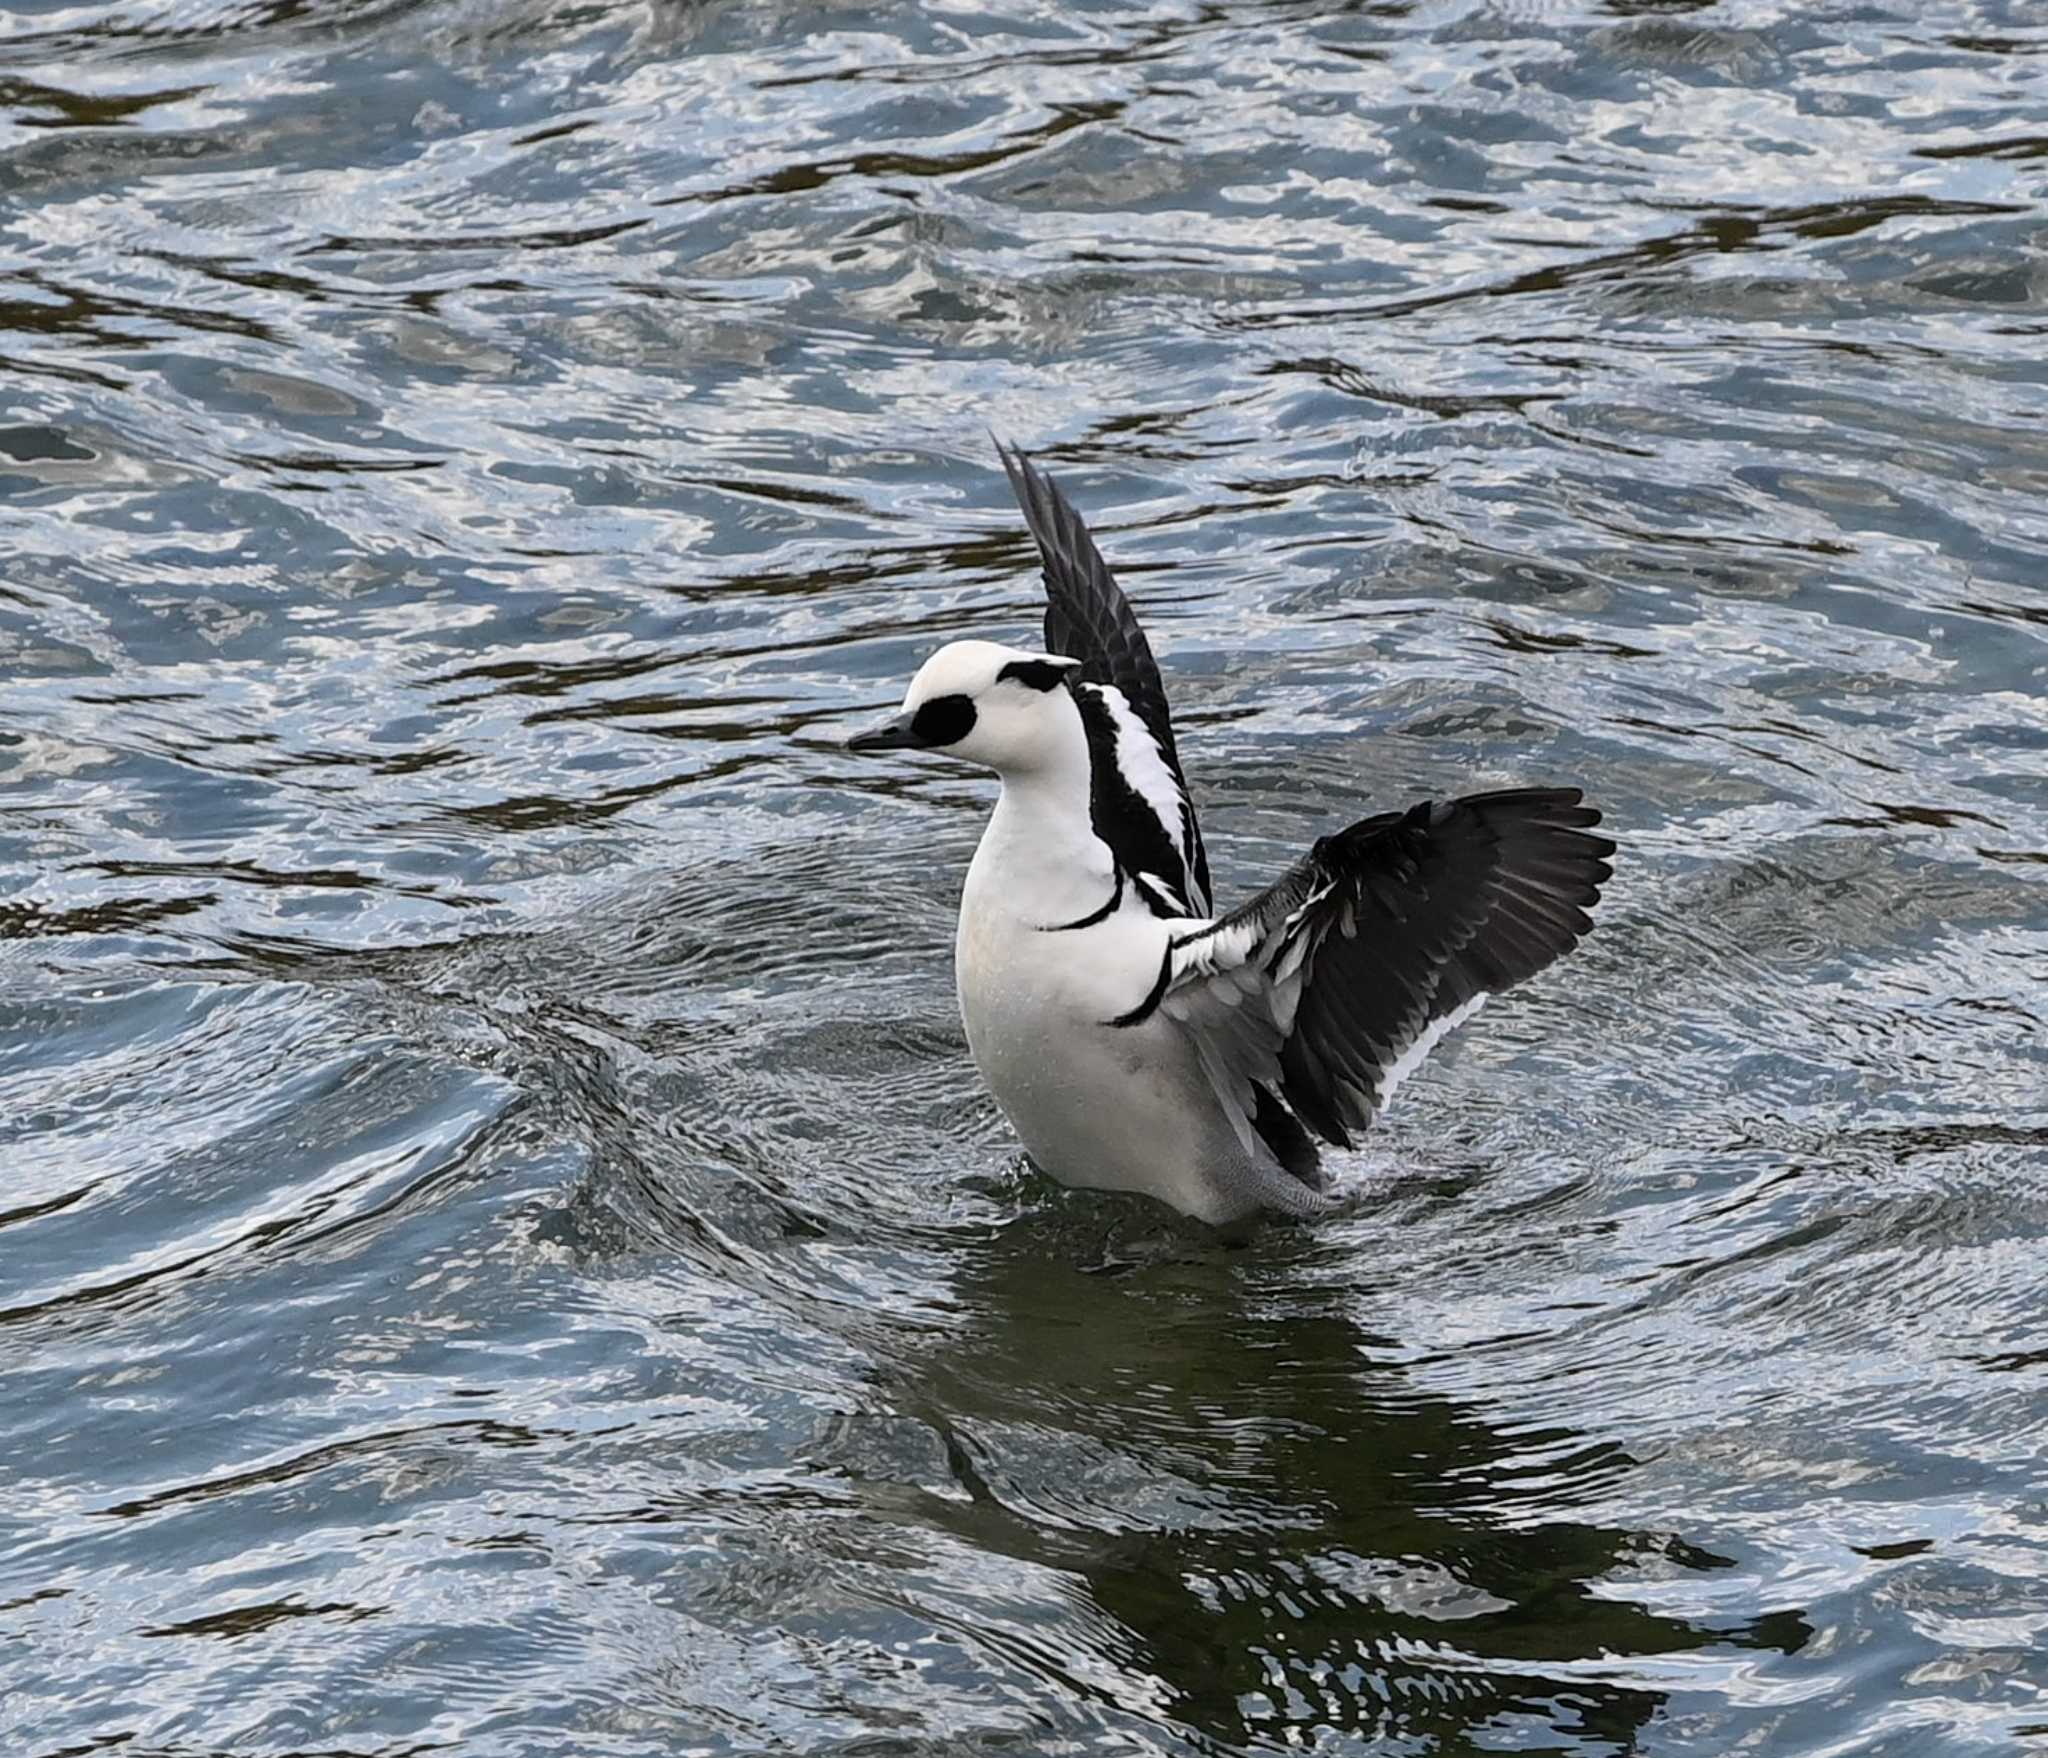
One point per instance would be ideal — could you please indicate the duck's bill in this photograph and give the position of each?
(892, 735)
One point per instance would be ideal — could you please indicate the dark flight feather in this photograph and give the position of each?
(1316, 988)
(1088, 618)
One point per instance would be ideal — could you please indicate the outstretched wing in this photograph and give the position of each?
(1331, 984)
(1151, 824)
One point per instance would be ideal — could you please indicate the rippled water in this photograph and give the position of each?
(503, 1249)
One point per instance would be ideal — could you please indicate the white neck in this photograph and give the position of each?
(1039, 857)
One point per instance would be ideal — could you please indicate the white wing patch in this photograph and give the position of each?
(1235, 987)
(1160, 889)
(1426, 1040)
(1221, 998)
(1331, 986)
(1144, 766)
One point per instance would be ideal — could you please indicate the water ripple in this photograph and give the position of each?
(504, 1244)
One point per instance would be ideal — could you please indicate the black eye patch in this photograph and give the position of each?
(944, 720)
(1037, 674)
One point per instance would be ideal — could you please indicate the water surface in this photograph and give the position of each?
(501, 1247)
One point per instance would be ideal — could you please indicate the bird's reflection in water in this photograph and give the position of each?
(1275, 1530)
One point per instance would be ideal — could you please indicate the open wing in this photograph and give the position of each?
(1330, 985)
(1141, 808)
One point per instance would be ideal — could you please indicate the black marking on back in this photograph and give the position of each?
(1088, 618)
(1121, 816)
(944, 720)
(1036, 674)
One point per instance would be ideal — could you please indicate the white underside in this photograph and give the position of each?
(1103, 1106)
(1097, 1105)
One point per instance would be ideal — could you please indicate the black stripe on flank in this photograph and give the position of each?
(1102, 915)
(1143, 1011)
(1035, 674)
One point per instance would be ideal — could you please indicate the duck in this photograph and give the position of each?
(1137, 1039)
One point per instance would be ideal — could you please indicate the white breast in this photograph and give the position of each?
(1103, 1106)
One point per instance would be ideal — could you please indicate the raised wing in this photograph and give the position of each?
(1088, 618)
(1330, 985)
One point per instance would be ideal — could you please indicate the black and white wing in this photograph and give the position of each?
(1327, 987)
(1139, 802)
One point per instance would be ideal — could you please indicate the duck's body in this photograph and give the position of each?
(1044, 975)
(1134, 1040)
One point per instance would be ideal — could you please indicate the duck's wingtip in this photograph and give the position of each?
(1026, 479)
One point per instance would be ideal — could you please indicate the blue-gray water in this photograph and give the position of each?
(501, 1248)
